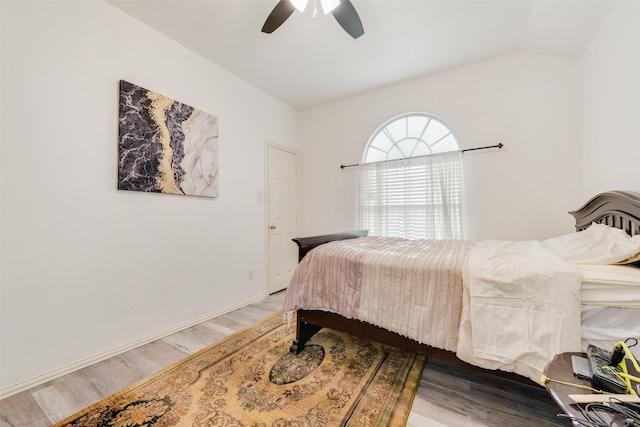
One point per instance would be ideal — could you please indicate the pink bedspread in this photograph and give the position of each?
(411, 287)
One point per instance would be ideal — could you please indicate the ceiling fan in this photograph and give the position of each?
(342, 10)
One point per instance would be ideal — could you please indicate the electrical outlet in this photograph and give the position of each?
(250, 273)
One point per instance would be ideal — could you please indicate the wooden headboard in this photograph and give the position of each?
(618, 209)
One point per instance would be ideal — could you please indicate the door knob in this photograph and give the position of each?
(272, 227)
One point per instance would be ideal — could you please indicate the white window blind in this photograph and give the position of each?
(416, 198)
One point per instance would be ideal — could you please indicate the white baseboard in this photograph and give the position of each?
(72, 367)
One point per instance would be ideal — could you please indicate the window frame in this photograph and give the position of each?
(395, 140)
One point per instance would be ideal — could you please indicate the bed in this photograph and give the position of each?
(595, 304)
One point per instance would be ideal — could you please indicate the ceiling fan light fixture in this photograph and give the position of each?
(299, 4)
(329, 5)
(346, 14)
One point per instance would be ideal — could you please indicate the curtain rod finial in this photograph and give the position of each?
(349, 166)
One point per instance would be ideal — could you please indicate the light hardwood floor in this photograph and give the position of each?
(446, 396)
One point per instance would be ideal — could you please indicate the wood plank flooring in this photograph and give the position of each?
(447, 396)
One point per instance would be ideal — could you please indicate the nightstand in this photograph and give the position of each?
(560, 369)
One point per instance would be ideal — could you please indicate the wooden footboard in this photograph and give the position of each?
(305, 244)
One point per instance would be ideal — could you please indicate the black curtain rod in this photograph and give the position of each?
(498, 145)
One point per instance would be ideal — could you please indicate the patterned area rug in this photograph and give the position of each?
(251, 379)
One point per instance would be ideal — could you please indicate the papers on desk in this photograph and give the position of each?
(603, 398)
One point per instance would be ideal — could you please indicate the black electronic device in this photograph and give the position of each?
(581, 367)
(602, 373)
(617, 356)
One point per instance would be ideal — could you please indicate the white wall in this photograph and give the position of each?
(528, 102)
(86, 268)
(610, 104)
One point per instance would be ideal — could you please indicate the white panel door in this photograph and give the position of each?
(282, 193)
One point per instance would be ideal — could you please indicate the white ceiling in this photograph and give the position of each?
(311, 61)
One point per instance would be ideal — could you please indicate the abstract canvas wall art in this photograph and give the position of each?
(165, 146)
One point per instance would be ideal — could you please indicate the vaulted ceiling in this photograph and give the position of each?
(310, 61)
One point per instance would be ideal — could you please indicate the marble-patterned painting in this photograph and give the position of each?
(165, 146)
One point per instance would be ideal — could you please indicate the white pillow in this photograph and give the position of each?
(598, 244)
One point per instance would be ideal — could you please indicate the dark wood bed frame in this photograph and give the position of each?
(618, 209)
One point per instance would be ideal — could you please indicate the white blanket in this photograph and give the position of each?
(521, 306)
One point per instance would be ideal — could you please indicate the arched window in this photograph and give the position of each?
(410, 135)
(411, 180)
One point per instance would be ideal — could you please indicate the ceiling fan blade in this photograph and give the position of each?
(278, 15)
(348, 18)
